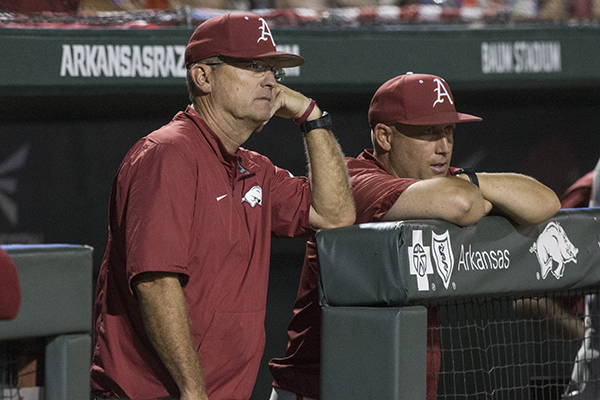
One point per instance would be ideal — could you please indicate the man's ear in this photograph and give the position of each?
(202, 76)
(382, 136)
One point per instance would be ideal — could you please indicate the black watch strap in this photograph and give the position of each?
(323, 122)
(470, 173)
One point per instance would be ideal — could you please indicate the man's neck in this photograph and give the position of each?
(231, 133)
(385, 160)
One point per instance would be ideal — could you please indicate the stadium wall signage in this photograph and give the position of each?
(150, 61)
(133, 61)
(520, 57)
(337, 60)
(407, 262)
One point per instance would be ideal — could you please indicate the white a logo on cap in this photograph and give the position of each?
(441, 92)
(266, 32)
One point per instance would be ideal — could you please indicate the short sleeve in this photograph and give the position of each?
(158, 186)
(579, 194)
(375, 193)
(291, 202)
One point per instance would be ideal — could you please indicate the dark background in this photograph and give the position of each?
(72, 146)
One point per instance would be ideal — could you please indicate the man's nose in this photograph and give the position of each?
(269, 79)
(444, 145)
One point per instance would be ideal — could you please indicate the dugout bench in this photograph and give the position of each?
(375, 276)
(56, 303)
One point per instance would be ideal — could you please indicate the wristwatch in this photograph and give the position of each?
(323, 122)
(470, 173)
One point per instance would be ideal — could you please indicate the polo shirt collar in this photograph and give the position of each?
(368, 155)
(240, 160)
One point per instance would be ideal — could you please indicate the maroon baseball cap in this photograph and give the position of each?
(245, 36)
(415, 99)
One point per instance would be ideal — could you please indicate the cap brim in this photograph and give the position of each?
(277, 58)
(441, 118)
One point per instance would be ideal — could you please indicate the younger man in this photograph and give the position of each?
(407, 175)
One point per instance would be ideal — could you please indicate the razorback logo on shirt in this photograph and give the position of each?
(253, 196)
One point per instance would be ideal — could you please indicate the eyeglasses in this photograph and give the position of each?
(259, 68)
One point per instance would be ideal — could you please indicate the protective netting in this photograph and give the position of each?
(530, 348)
(8, 371)
(21, 368)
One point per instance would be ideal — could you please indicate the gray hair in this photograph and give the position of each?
(191, 87)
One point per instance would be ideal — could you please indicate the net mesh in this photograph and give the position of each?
(9, 374)
(21, 368)
(542, 347)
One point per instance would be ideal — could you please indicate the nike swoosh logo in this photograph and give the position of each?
(221, 197)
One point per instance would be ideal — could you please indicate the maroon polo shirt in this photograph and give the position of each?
(10, 289)
(181, 203)
(579, 194)
(375, 191)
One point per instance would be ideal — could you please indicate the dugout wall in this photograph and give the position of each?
(56, 305)
(375, 278)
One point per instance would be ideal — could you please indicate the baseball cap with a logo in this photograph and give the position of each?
(244, 36)
(415, 99)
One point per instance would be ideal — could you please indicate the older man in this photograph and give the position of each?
(407, 175)
(182, 288)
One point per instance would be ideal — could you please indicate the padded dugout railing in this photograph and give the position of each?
(376, 277)
(56, 304)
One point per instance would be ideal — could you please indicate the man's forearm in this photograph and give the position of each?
(452, 199)
(558, 321)
(521, 198)
(164, 311)
(332, 203)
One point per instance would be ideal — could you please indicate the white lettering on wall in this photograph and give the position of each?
(520, 57)
(294, 49)
(122, 61)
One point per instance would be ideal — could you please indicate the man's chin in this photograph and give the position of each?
(260, 125)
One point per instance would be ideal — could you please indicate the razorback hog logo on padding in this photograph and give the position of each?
(554, 245)
(253, 196)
